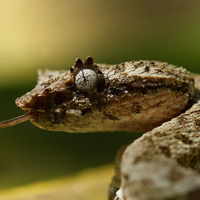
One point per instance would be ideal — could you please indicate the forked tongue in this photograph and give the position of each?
(17, 120)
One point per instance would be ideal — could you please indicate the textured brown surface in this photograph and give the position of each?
(164, 163)
(131, 96)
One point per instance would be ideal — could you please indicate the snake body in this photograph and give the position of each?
(131, 96)
(165, 162)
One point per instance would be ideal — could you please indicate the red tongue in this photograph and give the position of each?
(17, 120)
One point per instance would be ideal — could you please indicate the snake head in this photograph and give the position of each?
(89, 97)
(62, 97)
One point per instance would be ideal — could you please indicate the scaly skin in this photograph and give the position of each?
(131, 96)
(164, 163)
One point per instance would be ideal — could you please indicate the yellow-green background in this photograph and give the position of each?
(39, 34)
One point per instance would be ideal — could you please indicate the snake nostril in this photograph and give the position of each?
(62, 97)
(87, 110)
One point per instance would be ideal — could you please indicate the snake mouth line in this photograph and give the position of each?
(18, 120)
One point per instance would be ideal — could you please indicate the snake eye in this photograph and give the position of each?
(86, 80)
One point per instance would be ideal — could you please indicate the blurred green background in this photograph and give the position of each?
(51, 34)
